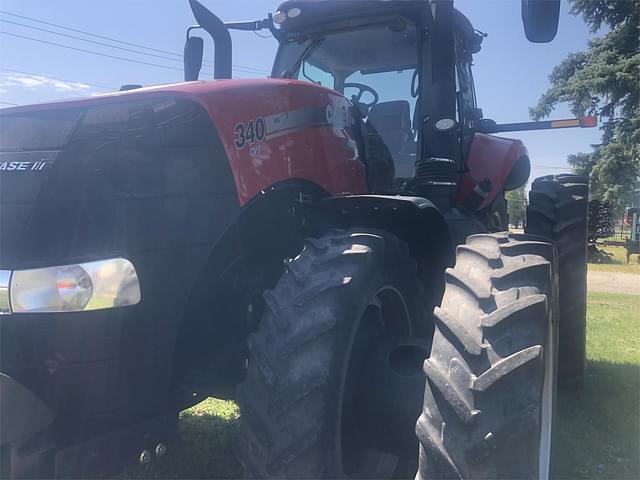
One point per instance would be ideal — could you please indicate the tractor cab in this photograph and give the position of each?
(405, 65)
(373, 52)
(370, 56)
(379, 54)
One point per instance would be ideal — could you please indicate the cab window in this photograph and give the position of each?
(311, 73)
(374, 66)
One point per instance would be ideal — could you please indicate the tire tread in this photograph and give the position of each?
(469, 374)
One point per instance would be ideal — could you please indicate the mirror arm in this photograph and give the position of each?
(254, 25)
(191, 28)
(247, 26)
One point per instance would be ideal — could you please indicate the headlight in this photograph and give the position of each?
(5, 308)
(74, 288)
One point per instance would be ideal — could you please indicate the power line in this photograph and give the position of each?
(8, 103)
(550, 166)
(138, 52)
(91, 41)
(240, 68)
(103, 37)
(103, 87)
(116, 57)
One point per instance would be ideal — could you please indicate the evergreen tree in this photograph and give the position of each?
(603, 81)
(517, 205)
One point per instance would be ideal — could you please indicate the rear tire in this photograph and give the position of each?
(298, 403)
(488, 403)
(558, 210)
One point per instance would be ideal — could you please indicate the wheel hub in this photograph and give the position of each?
(391, 391)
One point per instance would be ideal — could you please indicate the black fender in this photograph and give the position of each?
(21, 412)
(272, 227)
(271, 222)
(415, 220)
(248, 257)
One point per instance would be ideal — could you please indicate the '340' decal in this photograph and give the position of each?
(251, 132)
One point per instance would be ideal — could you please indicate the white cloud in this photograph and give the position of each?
(33, 82)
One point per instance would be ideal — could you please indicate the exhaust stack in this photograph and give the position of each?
(221, 40)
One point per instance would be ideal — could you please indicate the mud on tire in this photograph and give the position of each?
(490, 388)
(295, 401)
(558, 210)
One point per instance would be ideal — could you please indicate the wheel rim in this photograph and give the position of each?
(386, 314)
(547, 405)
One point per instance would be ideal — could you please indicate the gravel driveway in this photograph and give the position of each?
(613, 282)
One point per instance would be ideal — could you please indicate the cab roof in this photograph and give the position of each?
(314, 12)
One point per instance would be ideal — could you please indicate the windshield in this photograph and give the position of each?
(374, 66)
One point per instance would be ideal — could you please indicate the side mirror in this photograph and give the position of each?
(193, 50)
(540, 19)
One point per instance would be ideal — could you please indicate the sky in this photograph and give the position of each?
(510, 72)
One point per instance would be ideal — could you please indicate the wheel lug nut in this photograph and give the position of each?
(161, 450)
(145, 457)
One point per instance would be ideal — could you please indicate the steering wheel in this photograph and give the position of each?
(415, 84)
(362, 89)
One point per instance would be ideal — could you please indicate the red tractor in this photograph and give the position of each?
(314, 245)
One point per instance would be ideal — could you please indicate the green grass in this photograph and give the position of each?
(618, 261)
(203, 445)
(597, 430)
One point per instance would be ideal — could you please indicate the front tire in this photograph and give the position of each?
(488, 403)
(301, 396)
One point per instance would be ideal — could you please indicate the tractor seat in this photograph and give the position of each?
(392, 121)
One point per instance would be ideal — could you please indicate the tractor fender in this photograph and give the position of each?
(248, 256)
(503, 162)
(22, 413)
(415, 220)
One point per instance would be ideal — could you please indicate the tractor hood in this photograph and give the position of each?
(82, 179)
(89, 178)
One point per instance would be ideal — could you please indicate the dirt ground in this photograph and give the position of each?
(613, 282)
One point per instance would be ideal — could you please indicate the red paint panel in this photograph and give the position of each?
(493, 158)
(308, 136)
